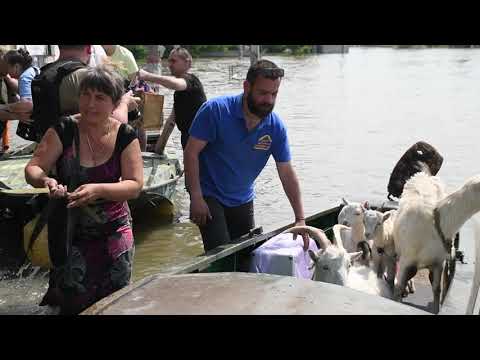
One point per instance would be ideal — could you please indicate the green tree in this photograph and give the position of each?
(201, 49)
(139, 52)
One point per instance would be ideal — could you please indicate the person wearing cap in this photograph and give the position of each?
(231, 140)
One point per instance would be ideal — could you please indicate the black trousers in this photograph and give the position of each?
(227, 223)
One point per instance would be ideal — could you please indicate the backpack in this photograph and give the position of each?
(46, 98)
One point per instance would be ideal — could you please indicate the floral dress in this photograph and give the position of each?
(102, 244)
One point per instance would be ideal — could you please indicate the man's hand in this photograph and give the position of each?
(306, 238)
(199, 211)
(142, 75)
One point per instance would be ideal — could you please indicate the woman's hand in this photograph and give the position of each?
(131, 101)
(56, 190)
(84, 195)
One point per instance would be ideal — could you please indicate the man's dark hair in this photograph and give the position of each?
(71, 47)
(183, 53)
(266, 68)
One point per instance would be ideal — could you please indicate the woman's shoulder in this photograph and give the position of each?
(65, 127)
(126, 131)
(71, 120)
(125, 135)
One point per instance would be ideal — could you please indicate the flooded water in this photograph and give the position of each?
(350, 118)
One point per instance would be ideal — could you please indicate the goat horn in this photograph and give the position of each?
(316, 234)
(337, 236)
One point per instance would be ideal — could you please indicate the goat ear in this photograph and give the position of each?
(313, 255)
(344, 201)
(386, 216)
(355, 255)
(366, 205)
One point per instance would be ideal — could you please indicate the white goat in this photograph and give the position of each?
(353, 237)
(379, 228)
(426, 224)
(350, 211)
(333, 264)
(333, 259)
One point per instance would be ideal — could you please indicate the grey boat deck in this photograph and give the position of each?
(242, 294)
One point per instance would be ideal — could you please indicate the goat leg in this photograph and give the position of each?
(436, 272)
(411, 286)
(391, 271)
(401, 276)
(405, 273)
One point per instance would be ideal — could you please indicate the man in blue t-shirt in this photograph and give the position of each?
(231, 139)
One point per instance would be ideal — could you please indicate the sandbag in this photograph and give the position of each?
(38, 254)
(421, 156)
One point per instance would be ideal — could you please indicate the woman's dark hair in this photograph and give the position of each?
(104, 79)
(19, 56)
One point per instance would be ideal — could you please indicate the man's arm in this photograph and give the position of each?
(166, 132)
(170, 82)
(21, 110)
(5, 115)
(291, 186)
(22, 106)
(199, 212)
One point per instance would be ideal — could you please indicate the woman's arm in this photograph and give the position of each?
(11, 83)
(127, 103)
(43, 160)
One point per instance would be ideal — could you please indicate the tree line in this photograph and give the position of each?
(140, 53)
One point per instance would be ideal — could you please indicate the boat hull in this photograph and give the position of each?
(20, 210)
(218, 283)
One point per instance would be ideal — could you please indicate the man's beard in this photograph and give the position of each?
(261, 110)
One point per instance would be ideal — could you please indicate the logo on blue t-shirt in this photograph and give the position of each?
(263, 143)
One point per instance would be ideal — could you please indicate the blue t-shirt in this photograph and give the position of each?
(234, 157)
(25, 82)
